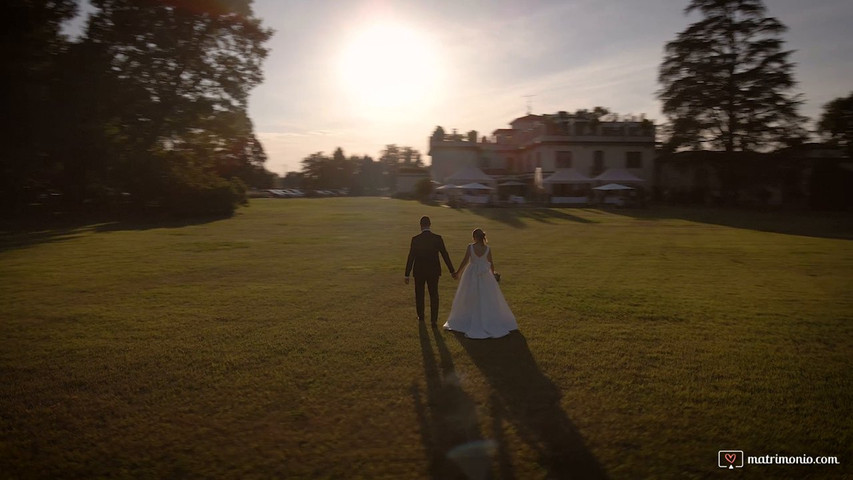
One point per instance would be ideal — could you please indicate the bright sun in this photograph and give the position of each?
(389, 66)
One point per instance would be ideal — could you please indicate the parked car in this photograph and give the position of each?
(259, 194)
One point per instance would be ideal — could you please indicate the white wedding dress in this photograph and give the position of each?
(479, 309)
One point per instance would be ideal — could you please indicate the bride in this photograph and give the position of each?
(479, 309)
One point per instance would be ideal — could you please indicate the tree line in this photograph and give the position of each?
(357, 175)
(146, 108)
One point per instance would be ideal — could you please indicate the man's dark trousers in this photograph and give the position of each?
(432, 284)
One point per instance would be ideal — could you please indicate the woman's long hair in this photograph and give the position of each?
(479, 235)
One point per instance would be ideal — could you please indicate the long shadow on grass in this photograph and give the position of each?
(448, 417)
(515, 216)
(808, 224)
(22, 233)
(524, 396)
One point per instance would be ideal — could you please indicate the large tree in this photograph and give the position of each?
(181, 72)
(727, 81)
(151, 100)
(836, 122)
(31, 44)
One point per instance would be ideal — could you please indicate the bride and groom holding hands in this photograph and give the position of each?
(479, 309)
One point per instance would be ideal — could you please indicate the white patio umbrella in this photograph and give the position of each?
(447, 187)
(567, 176)
(468, 175)
(619, 176)
(610, 187)
(511, 183)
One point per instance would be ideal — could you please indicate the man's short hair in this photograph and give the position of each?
(425, 221)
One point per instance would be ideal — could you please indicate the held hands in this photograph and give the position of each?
(406, 280)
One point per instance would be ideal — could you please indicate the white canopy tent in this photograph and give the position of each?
(475, 186)
(614, 194)
(513, 191)
(475, 193)
(612, 187)
(567, 176)
(470, 175)
(568, 186)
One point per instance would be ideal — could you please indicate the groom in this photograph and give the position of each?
(423, 259)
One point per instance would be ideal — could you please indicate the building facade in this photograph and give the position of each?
(408, 179)
(550, 142)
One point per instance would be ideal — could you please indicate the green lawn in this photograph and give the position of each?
(282, 343)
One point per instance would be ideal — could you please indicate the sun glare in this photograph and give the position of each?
(389, 66)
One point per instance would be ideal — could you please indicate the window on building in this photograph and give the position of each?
(510, 164)
(634, 160)
(597, 163)
(564, 160)
(538, 159)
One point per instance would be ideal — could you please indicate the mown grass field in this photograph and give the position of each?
(282, 343)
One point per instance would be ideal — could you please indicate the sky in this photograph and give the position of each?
(360, 74)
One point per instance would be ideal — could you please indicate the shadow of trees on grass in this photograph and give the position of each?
(22, 233)
(516, 217)
(820, 224)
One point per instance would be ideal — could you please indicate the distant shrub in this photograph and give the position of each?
(423, 189)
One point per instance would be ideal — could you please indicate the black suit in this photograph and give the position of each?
(423, 262)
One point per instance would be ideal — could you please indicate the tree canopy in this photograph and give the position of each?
(31, 43)
(151, 101)
(727, 81)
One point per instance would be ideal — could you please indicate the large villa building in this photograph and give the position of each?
(585, 158)
(581, 144)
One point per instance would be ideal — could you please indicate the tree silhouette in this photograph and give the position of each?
(31, 44)
(726, 80)
(151, 101)
(836, 122)
(182, 74)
